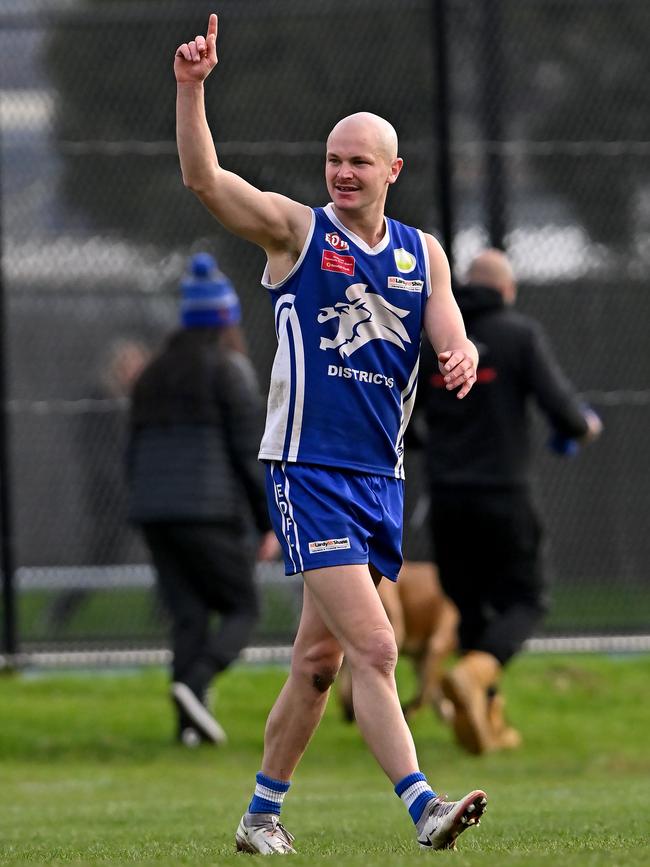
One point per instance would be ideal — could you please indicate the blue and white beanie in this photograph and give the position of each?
(208, 298)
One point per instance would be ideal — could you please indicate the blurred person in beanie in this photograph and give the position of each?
(479, 467)
(196, 415)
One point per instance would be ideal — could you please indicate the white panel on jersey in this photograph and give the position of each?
(427, 263)
(299, 396)
(407, 400)
(277, 406)
(283, 380)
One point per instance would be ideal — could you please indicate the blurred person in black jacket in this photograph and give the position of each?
(479, 462)
(196, 421)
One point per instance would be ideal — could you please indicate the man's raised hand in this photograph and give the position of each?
(195, 60)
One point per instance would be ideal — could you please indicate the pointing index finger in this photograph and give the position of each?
(212, 26)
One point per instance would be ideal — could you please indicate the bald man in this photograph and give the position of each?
(352, 291)
(479, 463)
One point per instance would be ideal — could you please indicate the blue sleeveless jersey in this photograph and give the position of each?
(348, 320)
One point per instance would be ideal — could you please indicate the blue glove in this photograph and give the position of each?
(563, 446)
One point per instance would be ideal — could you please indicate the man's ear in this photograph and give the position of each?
(395, 169)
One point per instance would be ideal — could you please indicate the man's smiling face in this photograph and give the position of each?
(361, 162)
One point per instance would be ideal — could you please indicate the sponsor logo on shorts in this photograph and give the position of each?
(336, 241)
(332, 261)
(328, 545)
(407, 285)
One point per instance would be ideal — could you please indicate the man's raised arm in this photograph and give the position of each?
(268, 219)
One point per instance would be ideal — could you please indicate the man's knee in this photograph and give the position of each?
(318, 665)
(376, 650)
(323, 679)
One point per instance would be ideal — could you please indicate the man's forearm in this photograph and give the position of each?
(196, 149)
(452, 342)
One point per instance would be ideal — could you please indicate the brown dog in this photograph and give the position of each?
(424, 621)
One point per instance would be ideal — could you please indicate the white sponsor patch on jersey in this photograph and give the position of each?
(407, 285)
(328, 545)
(404, 260)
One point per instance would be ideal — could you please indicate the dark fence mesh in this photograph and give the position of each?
(550, 151)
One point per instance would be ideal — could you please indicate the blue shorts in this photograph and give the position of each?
(330, 517)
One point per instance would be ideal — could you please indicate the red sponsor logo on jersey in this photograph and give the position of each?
(336, 241)
(332, 261)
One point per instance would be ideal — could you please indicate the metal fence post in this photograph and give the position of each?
(9, 631)
(442, 126)
(493, 101)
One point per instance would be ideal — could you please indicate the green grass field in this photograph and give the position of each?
(89, 773)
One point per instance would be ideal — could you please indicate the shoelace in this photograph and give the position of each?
(278, 828)
(442, 806)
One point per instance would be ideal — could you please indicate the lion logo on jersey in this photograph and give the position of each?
(363, 317)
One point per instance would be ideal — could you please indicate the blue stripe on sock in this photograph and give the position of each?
(417, 807)
(270, 783)
(404, 783)
(261, 805)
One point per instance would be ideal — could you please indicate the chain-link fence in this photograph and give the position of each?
(546, 134)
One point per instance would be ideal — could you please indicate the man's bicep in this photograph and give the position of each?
(265, 218)
(443, 321)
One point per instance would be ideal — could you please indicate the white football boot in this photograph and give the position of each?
(442, 821)
(263, 834)
(198, 714)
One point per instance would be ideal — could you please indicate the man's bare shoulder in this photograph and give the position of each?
(434, 247)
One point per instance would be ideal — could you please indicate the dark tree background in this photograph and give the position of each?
(276, 82)
(572, 76)
(590, 62)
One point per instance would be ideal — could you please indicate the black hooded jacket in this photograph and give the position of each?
(484, 439)
(196, 423)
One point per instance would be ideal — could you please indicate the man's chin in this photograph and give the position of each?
(345, 202)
